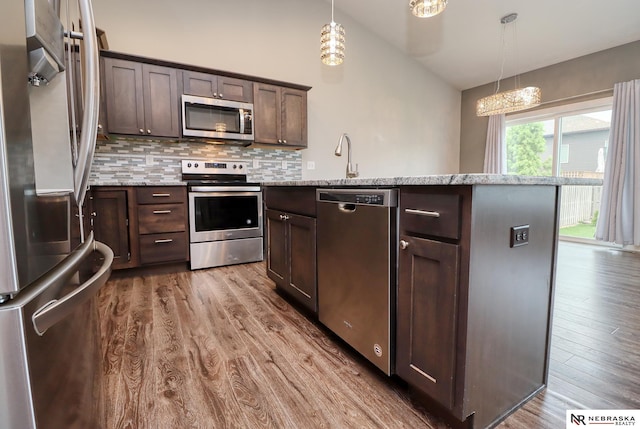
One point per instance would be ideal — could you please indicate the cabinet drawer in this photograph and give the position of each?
(154, 218)
(298, 200)
(431, 214)
(156, 248)
(161, 194)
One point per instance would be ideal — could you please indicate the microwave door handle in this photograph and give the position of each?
(241, 121)
(91, 98)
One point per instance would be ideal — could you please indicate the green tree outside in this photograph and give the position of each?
(525, 144)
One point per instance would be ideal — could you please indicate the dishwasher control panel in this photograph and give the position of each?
(380, 197)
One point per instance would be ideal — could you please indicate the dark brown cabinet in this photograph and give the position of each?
(280, 115)
(162, 224)
(222, 87)
(473, 312)
(141, 99)
(290, 229)
(291, 260)
(110, 220)
(426, 340)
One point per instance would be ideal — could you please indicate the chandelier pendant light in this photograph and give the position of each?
(427, 8)
(332, 42)
(513, 100)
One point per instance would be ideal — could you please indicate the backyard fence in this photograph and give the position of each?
(579, 204)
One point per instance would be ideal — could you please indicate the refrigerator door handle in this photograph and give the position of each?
(56, 310)
(91, 102)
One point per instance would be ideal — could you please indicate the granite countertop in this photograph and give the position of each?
(441, 179)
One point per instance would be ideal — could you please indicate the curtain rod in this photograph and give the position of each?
(601, 91)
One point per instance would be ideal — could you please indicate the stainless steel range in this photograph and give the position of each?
(225, 214)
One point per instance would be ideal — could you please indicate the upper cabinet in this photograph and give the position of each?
(141, 99)
(280, 115)
(143, 96)
(222, 87)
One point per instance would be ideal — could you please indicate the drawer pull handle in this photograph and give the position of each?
(164, 240)
(422, 213)
(161, 195)
(161, 211)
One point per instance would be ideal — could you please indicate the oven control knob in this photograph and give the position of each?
(235, 166)
(240, 166)
(196, 165)
(188, 165)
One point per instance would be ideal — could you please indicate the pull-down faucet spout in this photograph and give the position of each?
(350, 171)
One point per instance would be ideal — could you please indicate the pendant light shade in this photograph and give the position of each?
(332, 42)
(427, 8)
(508, 101)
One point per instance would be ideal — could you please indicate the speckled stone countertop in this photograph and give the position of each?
(442, 179)
(128, 182)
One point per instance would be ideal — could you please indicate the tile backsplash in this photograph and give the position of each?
(150, 161)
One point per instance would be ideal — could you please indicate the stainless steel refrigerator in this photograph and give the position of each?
(49, 344)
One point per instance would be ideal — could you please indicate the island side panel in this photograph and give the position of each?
(510, 298)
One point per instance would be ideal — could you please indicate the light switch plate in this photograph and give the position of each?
(256, 163)
(284, 165)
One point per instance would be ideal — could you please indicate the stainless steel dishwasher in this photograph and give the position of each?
(356, 235)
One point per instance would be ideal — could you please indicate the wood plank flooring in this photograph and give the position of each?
(219, 348)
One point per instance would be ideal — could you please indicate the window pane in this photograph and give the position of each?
(530, 148)
(586, 137)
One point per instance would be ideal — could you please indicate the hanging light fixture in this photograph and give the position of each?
(513, 100)
(427, 8)
(332, 42)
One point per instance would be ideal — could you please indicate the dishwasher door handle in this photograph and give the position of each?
(347, 207)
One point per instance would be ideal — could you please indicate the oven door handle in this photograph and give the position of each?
(213, 189)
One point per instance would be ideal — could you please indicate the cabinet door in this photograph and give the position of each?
(124, 96)
(161, 105)
(302, 278)
(230, 88)
(110, 224)
(426, 316)
(202, 84)
(294, 117)
(277, 247)
(266, 113)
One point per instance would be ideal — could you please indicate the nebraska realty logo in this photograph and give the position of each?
(602, 418)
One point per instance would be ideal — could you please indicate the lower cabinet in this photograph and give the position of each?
(426, 323)
(291, 255)
(142, 225)
(162, 224)
(110, 222)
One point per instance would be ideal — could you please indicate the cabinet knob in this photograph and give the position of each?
(141, 131)
(284, 141)
(220, 95)
(148, 131)
(215, 95)
(404, 244)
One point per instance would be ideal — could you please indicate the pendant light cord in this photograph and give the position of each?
(332, 11)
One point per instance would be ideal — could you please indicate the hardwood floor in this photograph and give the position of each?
(220, 348)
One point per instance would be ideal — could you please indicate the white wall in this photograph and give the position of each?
(402, 119)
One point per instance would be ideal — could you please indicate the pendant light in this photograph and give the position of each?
(332, 42)
(427, 8)
(513, 100)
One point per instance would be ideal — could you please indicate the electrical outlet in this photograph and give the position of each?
(284, 165)
(256, 163)
(311, 165)
(149, 160)
(519, 235)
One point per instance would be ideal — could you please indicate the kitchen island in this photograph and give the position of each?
(475, 272)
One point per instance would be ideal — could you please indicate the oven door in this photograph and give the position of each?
(224, 213)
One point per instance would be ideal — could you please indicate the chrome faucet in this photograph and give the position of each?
(350, 171)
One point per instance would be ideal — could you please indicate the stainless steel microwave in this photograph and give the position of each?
(217, 119)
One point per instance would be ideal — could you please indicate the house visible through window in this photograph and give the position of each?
(566, 141)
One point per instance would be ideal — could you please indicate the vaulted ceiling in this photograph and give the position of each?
(463, 44)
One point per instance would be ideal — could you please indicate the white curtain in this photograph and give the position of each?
(619, 219)
(495, 155)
